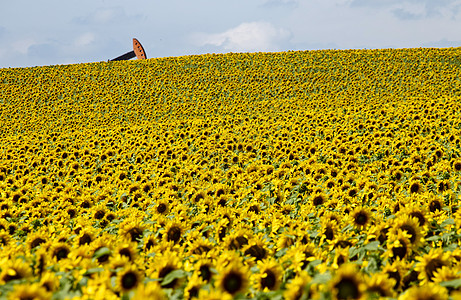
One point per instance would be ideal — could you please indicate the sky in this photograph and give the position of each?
(56, 32)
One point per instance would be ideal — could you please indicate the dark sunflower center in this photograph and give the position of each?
(414, 187)
(256, 251)
(432, 266)
(400, 251)
(396, 276)
(361, 218)
(174, 234)
(36, 242)
(7, 277)
(318, 200)
(269, 280)
(347, 289)
(135, 234)
(232, 282)
(125, 252)
(193, 292)
(329, 233)
(458, 166)
(435, 205)
(419, 216)
(99, 214)
(84, 239)
(410, 230)
(61, 253)
(129, 280)
(161, 208)
(205, 272)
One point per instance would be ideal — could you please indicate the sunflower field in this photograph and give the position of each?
(330, 174)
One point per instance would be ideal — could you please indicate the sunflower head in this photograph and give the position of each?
(269, 276)
(347, 283)
(15, 269)
(381, 285)
(29, 291)
(429, 264)
(129, 278)
(233, 279)
(415, 187)
(298, 287)
(361, 217)
(428, 291)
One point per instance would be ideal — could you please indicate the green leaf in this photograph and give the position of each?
(455, 283)
(101, 252)
(373, 246)
(434, 238)
(170, 277)
(448, 221)
(321, 278)
(93, 270)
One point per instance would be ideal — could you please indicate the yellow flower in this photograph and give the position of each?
(29, 291)
(427, 291)
(348, 283)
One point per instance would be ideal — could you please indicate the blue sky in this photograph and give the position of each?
(50, 32)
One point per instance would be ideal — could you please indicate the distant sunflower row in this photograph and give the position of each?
(293, 175)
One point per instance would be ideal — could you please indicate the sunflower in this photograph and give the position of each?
(199, 246)
(361, 217)
(29, 291)
(428, 291)
(298, 287)
(318, 199)
(456, 165)
(347, 283)
(446, 273)
(415, 187)
(149, 290)
(257, 248)
(128, 278)
(173, 232)
(132, 229)
(381, 285)
(411, 226)
(430, 263)
(237, 239)
(399, 245)
(128, 250)
(15, 269)
(149, 242)
(269, 276)
(286, 239)
(49, 281)
(5, 239)
(233, 278)
(193, 286)
(204, 269)
(162, 207)
(164, 263)
(36, 239)
(59, 250)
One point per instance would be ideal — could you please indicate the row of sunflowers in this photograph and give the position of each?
(332, 174)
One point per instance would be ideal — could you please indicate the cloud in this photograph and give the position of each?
(444, 43)
(246, 37)
(413, 9)
(107, 15)
(278, 3)
(85, 39)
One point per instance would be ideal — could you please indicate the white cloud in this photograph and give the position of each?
(85, 39)
(22, 45)
(104, 16)
(246, 37)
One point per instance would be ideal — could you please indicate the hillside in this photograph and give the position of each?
(330, 173)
